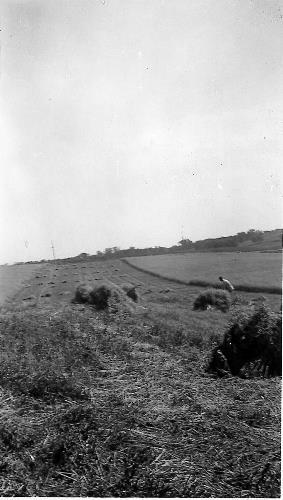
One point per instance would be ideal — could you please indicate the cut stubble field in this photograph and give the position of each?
(12, 278)
(119, 404)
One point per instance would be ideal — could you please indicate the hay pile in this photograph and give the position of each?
(95, 295)
(106, 296)
(82, 293)
(120, 301)
(253, 338)
(213, 298)
(130, 291)
(99, 296)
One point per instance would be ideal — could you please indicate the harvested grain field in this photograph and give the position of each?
(102, 403)
(13, 278)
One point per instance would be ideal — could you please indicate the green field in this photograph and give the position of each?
(249, 268)
(118, 403)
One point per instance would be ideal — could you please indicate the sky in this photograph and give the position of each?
(136, 122)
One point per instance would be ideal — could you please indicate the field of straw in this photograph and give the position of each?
(12, 278)
(118, 402)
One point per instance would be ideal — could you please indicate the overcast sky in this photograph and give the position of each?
(130, 122)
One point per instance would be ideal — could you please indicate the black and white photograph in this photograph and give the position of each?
(141, 147)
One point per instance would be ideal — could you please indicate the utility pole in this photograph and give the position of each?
(53, 249)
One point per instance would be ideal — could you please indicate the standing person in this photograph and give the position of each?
(226, 284)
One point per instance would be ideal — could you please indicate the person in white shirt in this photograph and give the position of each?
(226, 284)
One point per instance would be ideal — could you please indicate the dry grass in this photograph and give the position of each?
(117, 402)
(31, 297)
(13, 278)
(82, 293)
(254, 335)
(211, 298)
(106, 295)
(130, 291)
(91, 407)
(120, 301)
(99, 296)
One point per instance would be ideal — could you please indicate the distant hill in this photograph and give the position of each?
(272, 240)
(252, 240)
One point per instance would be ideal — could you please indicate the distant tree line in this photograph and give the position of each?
(184, 245)
(229, 241)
